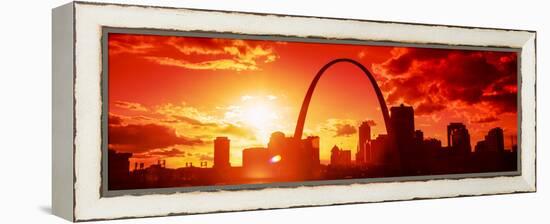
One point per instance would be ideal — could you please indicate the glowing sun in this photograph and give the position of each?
(260, 114)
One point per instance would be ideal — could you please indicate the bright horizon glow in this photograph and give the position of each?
(259, 113)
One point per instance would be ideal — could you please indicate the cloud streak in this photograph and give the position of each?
(130, 105)
(195, 53)
(220, 64)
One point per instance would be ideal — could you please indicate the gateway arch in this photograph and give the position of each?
(303, 111)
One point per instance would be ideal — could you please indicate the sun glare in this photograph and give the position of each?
(261, 116)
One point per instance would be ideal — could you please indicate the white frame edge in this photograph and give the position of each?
(89, 20)
(62, 111)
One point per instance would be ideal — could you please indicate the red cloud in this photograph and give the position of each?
(430, 79)
(428, 107)
(114, 120)
(487, 119)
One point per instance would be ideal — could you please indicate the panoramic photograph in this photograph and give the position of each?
(188, 111)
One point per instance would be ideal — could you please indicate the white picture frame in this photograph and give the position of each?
(77, 111)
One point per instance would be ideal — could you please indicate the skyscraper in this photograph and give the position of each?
(221, 152)
(363, 154)
(311, 146)
(419, 136)
(481, 147)
(297, 158)
(278, 143)
(458, 138)
(340, 157)
(494, 141)
(402, 127)
(379, 149)
(402, 122)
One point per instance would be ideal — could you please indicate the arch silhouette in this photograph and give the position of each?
(303, 111)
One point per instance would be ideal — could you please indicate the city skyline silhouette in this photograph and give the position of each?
(287, 159)
(252, 142)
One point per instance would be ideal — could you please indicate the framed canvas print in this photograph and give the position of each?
(166, 111)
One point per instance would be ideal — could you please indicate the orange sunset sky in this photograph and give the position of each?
(169, 97)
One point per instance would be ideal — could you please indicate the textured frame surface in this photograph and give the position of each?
(91, 18)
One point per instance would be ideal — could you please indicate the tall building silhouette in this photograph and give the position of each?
(284, 148)
(285, 158)
(380, 150)
(221, 152)
(495, 140)
(419, 136)
(340, 157)
(363, 154)
(458, 138)
(118, 169)
(481, 146)
(402, 122)
(278, 143)
(311, 147)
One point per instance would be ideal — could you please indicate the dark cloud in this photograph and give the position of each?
(408, 89)
(428, 107)
(343, 130)
(401, 64)
(430, 79)
(114, 120)
(505, 102)
(141, 138)
(341, 127)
